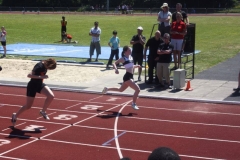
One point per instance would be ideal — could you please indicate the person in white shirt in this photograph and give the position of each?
(95, 41)
(3, 34)
(164, 18)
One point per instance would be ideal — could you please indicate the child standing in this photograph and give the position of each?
(114, 44)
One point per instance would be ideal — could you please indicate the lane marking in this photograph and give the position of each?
(115, 129)
(12, 158)
(108, 142)
(47, 114)
(205, 112)
(15, 126)
(95, 98)
(29, 120)
(78, 122)
(180, 110)
(125, 149)
(73, 105)
(192, 123)
(164, 135)
(10, 150)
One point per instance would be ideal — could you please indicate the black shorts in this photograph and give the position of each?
(3, 43)
(137, 59)
(33, 88)
(127, 76)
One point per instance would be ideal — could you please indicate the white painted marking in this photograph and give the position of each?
(125, 149)
(47, 114)
(107, 143)
(115, 130)
(10, 150)
(95, 98)
(15, 126)
(73, 106)
(113, 99)
(11, 158)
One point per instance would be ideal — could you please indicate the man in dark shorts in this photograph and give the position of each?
(138, 42)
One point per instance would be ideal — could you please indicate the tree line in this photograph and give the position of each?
(116, 3)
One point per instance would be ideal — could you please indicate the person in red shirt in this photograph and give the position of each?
(67, 38)
(178, 31)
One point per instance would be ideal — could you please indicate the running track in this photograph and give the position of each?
(104, 127)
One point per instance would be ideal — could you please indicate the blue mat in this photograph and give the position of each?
(57, 50)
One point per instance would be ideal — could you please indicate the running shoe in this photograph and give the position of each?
(14, 119)
(44, 114)
(134, 106)
(104, 91)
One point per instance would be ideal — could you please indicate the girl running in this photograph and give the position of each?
(35, 85)
(127, 62)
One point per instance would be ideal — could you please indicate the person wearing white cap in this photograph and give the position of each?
(138, 42)
(164, 18)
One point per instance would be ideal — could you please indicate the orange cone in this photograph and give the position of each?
(188, 88)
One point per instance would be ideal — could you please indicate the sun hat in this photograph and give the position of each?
(164, 5)
(140, 28)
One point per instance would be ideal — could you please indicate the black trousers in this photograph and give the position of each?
(113, 53)
(152, 64)
(63, 28)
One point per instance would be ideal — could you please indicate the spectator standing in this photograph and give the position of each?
(152, 44)
(95, 41)
(63, 26)
(184, 14)
(114, 44)
(3, 36)
(164, 59)
(164, 18)
(178, 31)
(138, 42)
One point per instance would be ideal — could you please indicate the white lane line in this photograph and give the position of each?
(108, 142)
(78, 122)
(10, 150)
(15, 126)
(167, 109)
(115, 129)
(192, 123)
(125, 149)
(5, 134)
(37, 121)
(182, 110)
(11, 158)
(164, 135)
(95, 98)
(73, 105)
(47, 114)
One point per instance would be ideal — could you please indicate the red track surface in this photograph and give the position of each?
(83, 126)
